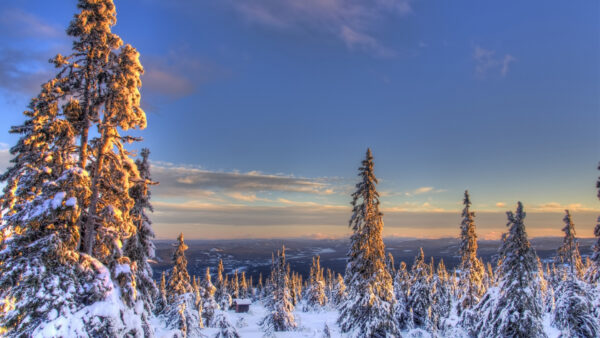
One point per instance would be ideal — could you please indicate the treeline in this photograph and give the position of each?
(377, 298)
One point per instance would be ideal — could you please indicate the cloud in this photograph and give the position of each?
(23, 71)
(558, 207)
(500, 204)
(176, 74)
(350, 21)
(16, 22)
(177, 181)
(4, 157)
(412, 207)
(487, 62)
(423, 190)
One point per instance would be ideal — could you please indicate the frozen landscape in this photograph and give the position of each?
(81, 254)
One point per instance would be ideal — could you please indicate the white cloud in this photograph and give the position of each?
(17, 22)
(486, 62)
(558, 207)
(350, 21)
(178, 181)
(423, 190)
(4, 158)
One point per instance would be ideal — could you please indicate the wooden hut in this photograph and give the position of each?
(241, 304)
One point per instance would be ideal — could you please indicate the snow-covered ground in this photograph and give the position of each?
(310, 324)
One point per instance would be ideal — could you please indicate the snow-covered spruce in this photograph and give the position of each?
(279, 304)
(514, 307)
(420, 299)
(181, 312)
(574, 311)
(210, 306)
(139, 247)
(367, 310)
(64, 223)
(568, 252)
(592, 274)
(315, 294)
(401, 291)
(470, 284)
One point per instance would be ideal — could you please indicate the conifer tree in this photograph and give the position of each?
(367, 311)
(210, 306)
(226, 329)
(243, 292)
(470, 287)
(442, 298)
(593, 272)
(401, 291)
(279, 316)
(339, 291)
(568, 253)
(235, 285)
(139, 247)
(161, 300)
(574, 310)
(315, 294)
(182, 311)
(59, 190)
(514, 307)
(420, 297)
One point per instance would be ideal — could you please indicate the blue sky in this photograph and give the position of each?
(259, 111)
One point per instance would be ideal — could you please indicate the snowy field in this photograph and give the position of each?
(310, 324)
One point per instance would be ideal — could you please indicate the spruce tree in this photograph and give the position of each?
(315, 294)
(139, 247)
(339, 290)
(420, 299)
(514, 307)
(279, 316)
(402, 291)
(367, 311)
(568, 253)
(59, 190)
(210, 306)
(470, 286)
(182, 310)
(442, 298)
(592, 274)
(573, 310)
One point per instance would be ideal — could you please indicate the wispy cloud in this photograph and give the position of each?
(16, 22)
(23, 70)
(423, 190)
(178, 180)
(500, 204)
(558, 207)
(177, 74)
(4, 157)
(350, 21)
(486, 61)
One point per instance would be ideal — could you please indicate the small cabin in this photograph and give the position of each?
(241, 304)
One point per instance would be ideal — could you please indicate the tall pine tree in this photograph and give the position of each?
(67, 197)
(367, 310)
(514, 307)
(470, 284)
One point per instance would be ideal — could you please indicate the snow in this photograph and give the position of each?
(242, 301)
(71, 202)
(310, 324)
(58, 198)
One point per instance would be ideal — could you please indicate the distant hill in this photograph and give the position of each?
(254, 255)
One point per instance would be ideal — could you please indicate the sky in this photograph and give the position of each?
(260, 111)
